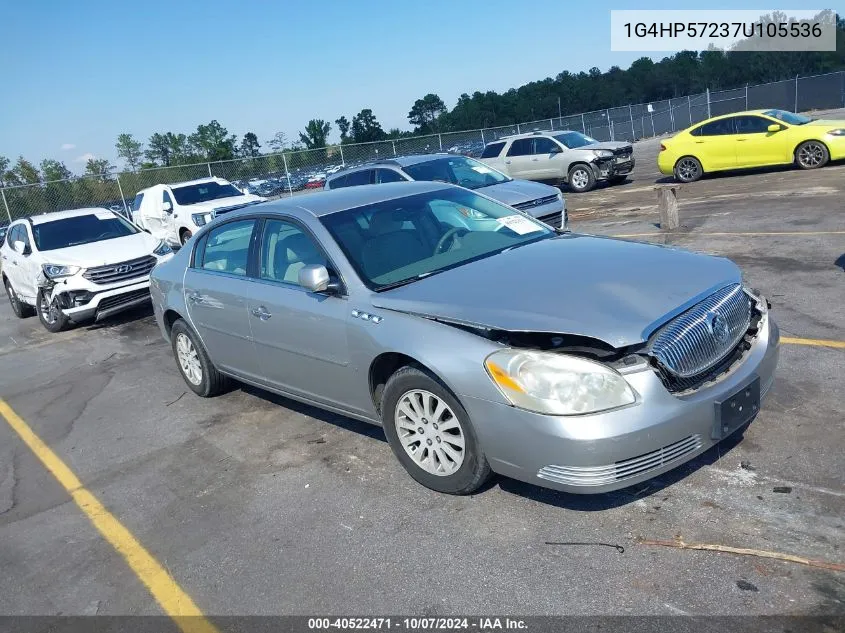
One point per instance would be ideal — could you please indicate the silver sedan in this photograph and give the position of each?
(443, 316)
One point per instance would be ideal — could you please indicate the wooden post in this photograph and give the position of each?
(667, 203)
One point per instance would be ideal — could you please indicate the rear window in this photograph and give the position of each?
(356, 178)
(492, 150)
(715, 128)
(521, 147)
(337, 183)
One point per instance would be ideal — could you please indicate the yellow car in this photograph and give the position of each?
(755, 138)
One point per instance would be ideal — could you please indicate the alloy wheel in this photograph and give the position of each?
(430, 432)
(188, 358)
(580, 179)
(811, 155)
(49, 309)
(688, 169)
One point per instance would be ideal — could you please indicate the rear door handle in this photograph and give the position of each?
(261, 313)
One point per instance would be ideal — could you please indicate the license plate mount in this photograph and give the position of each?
(737, 410)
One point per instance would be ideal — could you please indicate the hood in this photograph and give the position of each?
(518, 191)
(612, 290)
(119, 249)
(226, 204)
(611, 145)
(832, 123)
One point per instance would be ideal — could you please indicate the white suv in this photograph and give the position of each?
(561, 157)
(175, 212)
(78, 265)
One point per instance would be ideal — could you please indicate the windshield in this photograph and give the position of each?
(203, 192)
(82, 229)
(458, 170)
(788, 117)
(574, 139)
(399, 241)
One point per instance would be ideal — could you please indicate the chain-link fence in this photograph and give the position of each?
(292, 172)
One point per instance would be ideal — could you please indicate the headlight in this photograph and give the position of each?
(57, 270)
(557, 384)
(201, 219)
(837, 132)
(162, 249)
(604, 153)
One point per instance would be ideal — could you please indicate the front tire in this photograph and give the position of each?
(431, 435)
(196, 367)
(688, 169)
(812, 155)
(581, 178)
(50, 313)
(21, 309)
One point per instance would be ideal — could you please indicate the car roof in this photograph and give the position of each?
(511, 137)
(393, 161)
(730, 114)
(61, 215)
(332, 201)
(197, 181)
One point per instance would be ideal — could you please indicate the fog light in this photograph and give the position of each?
(80, 298)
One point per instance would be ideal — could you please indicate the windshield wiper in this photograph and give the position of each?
(410, 280)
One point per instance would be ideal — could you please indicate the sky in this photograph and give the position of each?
(77, 74)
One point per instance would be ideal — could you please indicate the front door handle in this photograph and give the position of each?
(507, 162)
(535, 159)
(194, 297)
(261, 313)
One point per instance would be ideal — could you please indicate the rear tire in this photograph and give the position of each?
(431, 434)
(50, 313)
(22, 310)
(812, 155)
(581, 178)
(196, 367)
(688, 169)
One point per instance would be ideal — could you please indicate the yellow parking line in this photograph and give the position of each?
(169, 595)
(727, 234)
(790, 340)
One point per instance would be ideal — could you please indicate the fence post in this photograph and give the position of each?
(796, 94)
(518, 131)
(342, 159)
(6, 204)
(708, 103)
(583, 127)
(552, 124)
(394, 147)
(287, 174)
(483, 142)
(611, 128)
(209, 170)
(631, 115)
(122, 197)
(689, 109)
(672, 114)
(440, 140)
(746, 96)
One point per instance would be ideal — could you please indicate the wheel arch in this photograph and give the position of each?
(170, 317)
(386, 364)
(801, 142)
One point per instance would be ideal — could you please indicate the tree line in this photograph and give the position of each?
(687, 72)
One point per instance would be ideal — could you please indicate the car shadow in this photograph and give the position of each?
(126, 317)
(339, 420)
(563, 500)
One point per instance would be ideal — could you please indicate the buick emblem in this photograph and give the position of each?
(718, 326)
(123, 269)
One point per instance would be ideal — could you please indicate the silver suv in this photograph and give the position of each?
(561, 157)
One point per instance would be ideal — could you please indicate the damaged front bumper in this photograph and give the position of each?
(607, 168)
(82, 300)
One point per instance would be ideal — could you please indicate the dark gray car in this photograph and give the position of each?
(544, 202)
(435, 312)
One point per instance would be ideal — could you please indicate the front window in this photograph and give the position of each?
(81, 229)
(399, 241)
(788, 117)
(573, 140)
(458, 170)
(226, 248)
(204, 192)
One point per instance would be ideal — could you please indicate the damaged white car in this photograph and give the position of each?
(81, 265)
(175, 212)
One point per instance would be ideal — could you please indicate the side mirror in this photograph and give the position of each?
(555, 150)
(167, 207)
(774, 127)
(315, 278)
(20, 247)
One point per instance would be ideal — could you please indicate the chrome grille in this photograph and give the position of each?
(699, 338)
(134, 268)
(554, 220)
(625, 469)
(522, 206)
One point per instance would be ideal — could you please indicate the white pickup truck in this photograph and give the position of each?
(175, 212)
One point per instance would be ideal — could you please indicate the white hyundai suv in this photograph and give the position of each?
(175, 212)
(78, 265)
